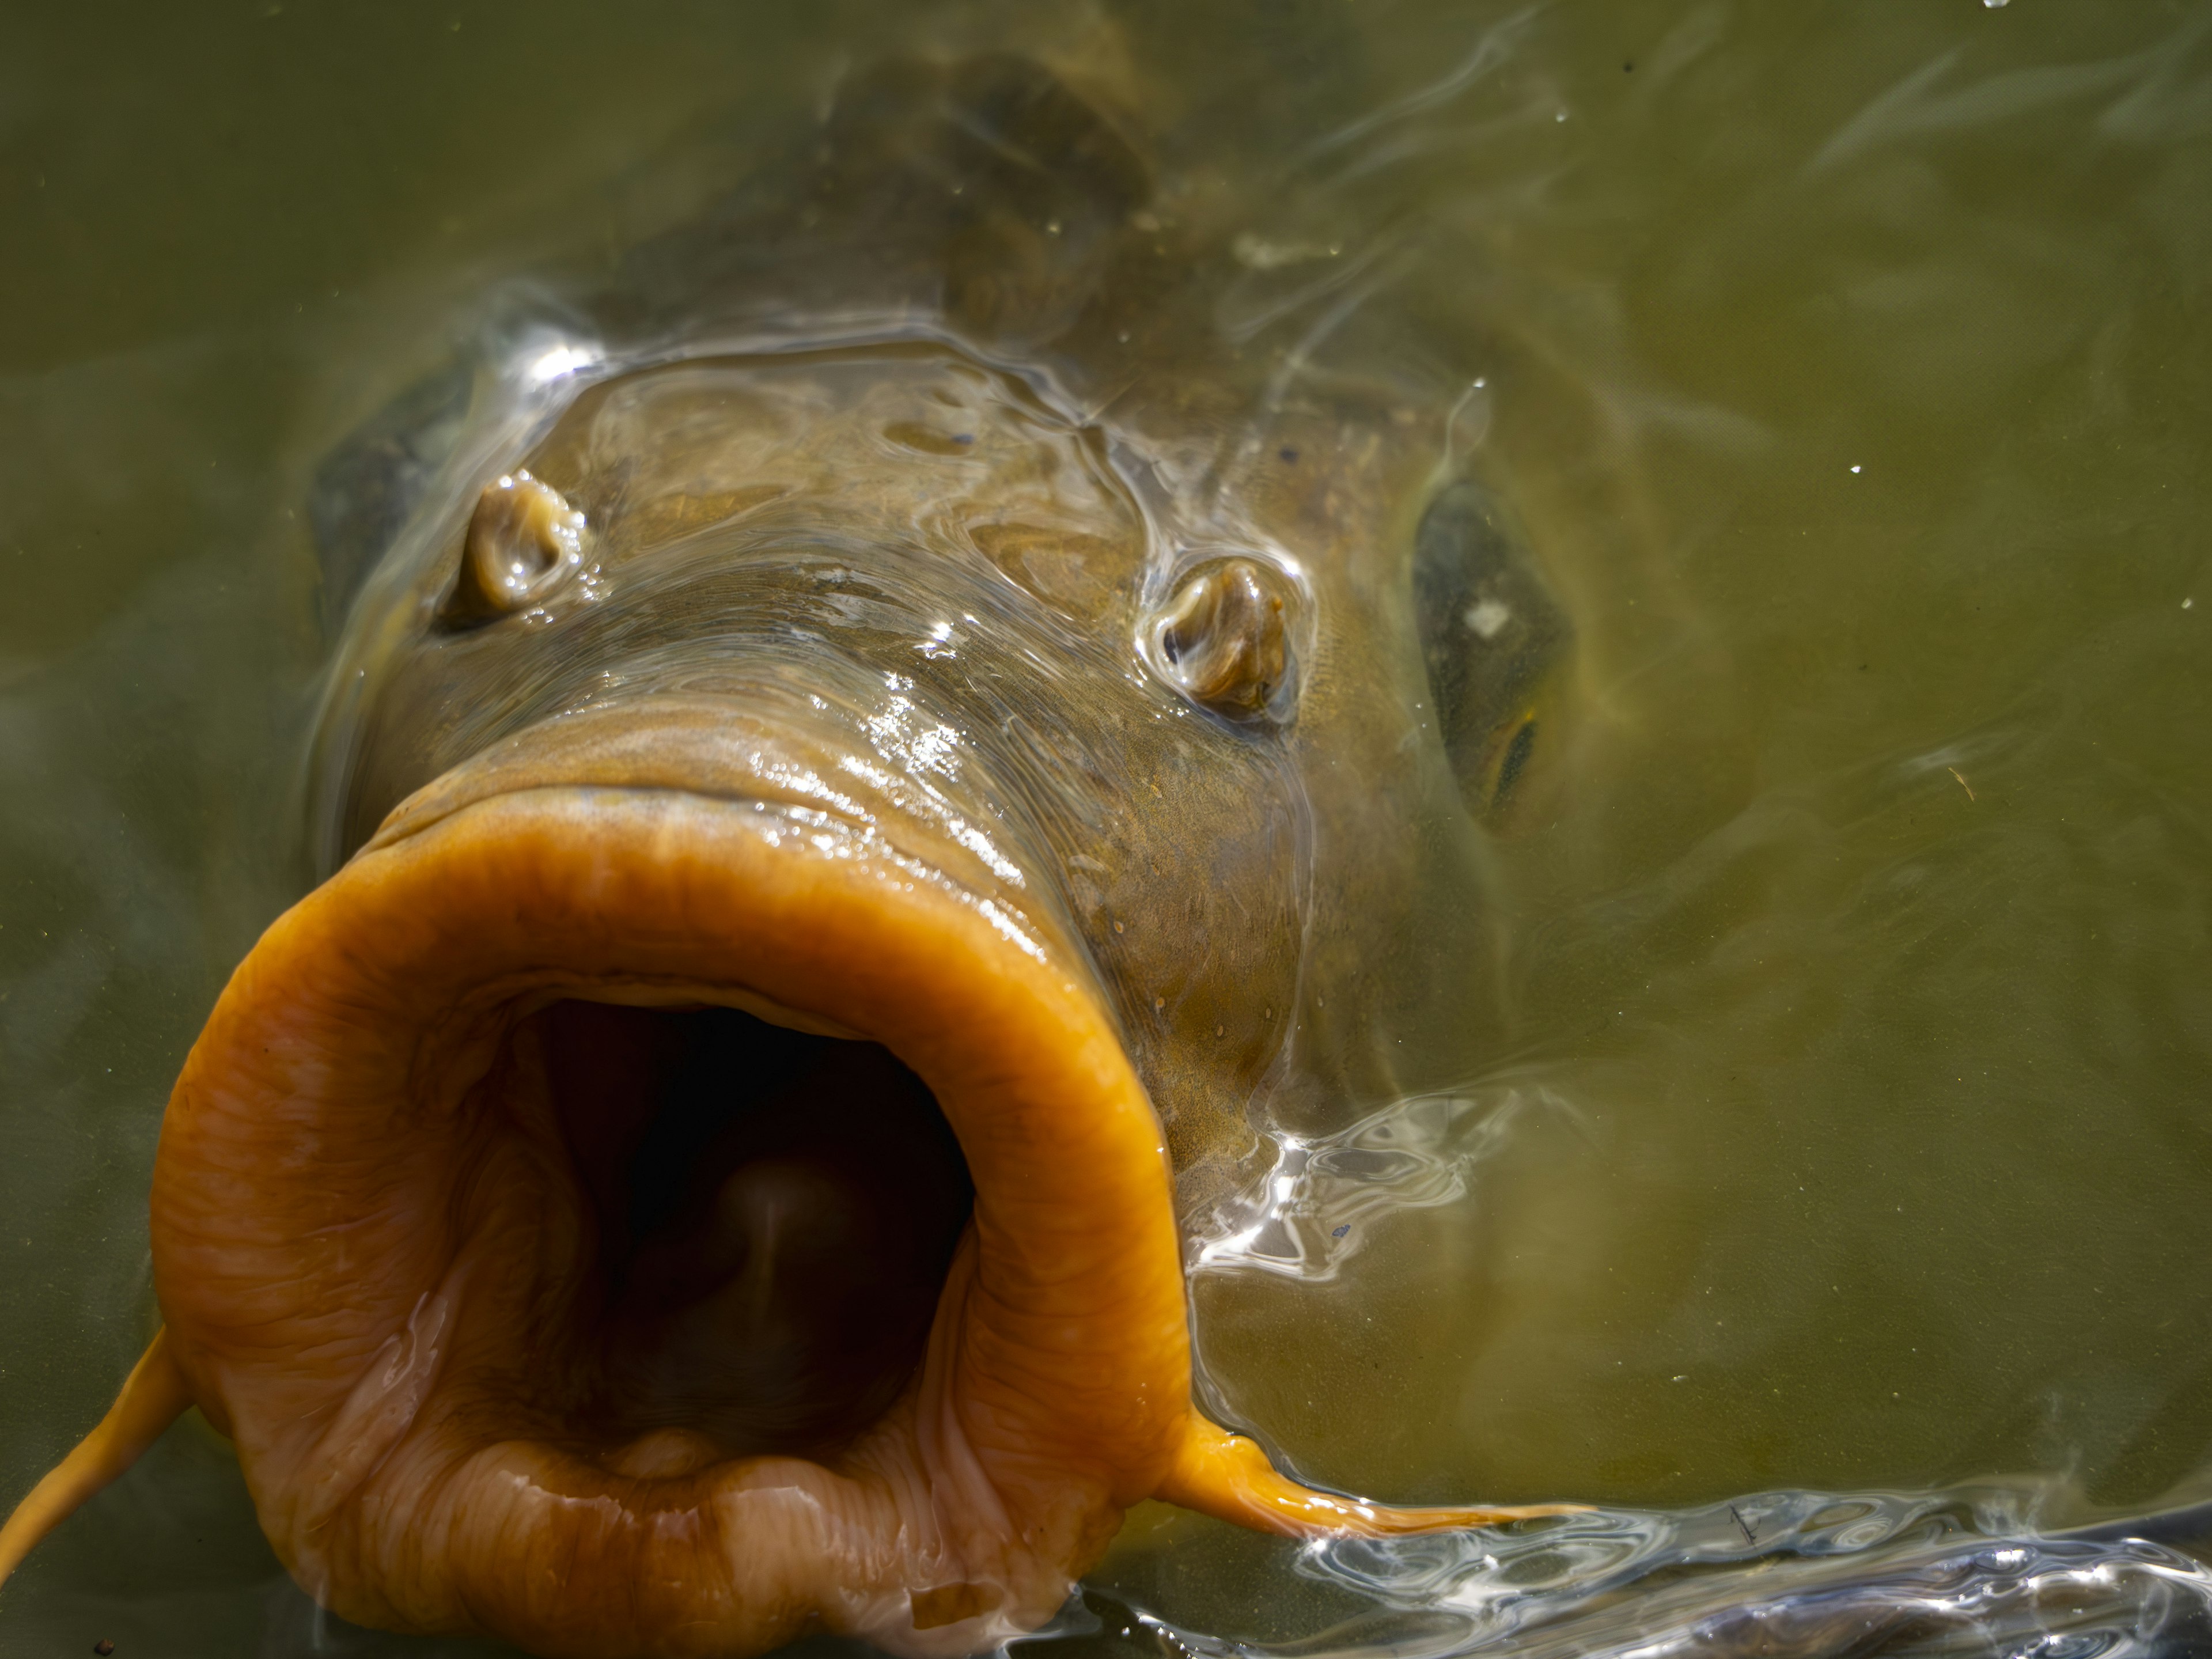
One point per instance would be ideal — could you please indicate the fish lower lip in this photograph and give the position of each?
(391, 1247)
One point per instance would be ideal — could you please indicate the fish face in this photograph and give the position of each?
(907, 593)
(723, 1208)
(832, 830)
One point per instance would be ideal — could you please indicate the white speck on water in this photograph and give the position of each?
(1484, 620)
(1480, 381)
(1561, 116)
(2185, 604)
(1261, 255)
(1993, 4)
(1855, 469)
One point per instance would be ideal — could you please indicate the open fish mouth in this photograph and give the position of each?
(474, 1044)
(621, 1216)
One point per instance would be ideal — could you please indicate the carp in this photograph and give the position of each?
(863, 745)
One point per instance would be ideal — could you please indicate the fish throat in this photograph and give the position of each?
(775, 1211)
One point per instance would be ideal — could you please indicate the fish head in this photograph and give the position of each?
(841, 819)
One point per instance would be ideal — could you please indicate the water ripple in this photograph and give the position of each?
(1783, 1575)
(1304, 1217)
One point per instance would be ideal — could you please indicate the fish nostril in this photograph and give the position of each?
(524, 541)
(1224, 640)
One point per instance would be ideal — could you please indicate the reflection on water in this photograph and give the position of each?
(1975, 1568)
(1832, 1212)
(1308, 1214)
(1766, 1574)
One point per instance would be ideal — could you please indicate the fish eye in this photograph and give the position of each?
(1518, 749)
(1495, 644)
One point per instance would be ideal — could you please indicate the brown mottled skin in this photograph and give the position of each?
(850, 717)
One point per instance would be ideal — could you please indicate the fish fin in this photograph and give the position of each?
(154, 1395)
(1228, 1477)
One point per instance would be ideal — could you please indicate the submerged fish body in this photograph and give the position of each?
(880, 732)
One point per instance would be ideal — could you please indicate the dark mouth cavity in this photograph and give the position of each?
(776, 1214)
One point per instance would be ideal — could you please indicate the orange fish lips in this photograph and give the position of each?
(632, 1208)
(386, 1273)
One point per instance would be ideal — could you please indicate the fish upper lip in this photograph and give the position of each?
(742, 752)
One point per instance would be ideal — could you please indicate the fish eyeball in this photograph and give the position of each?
(1224, 640)
(524, 541)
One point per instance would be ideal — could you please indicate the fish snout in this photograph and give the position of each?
(618, 1217)
(631, 1208)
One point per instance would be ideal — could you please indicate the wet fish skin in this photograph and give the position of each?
(1203, 452)
(809, 662)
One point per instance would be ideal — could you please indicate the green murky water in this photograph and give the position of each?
(1851, 369)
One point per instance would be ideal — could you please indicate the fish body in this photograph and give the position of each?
(883, 731)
